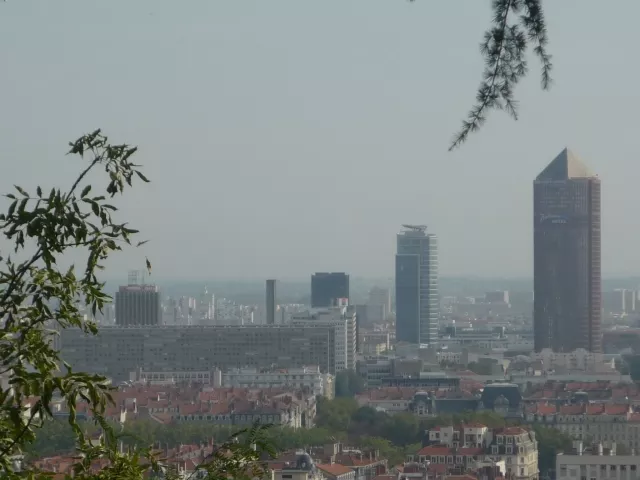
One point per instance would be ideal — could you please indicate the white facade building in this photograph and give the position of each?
(599, 464)
(344, 319)
(578, 360)
(299, 378)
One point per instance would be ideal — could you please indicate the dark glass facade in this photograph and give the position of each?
(326, 288)
(567, 257)
(417, 301)
(271, 302)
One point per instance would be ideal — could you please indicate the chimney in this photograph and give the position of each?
(600, 449)
(577, 445)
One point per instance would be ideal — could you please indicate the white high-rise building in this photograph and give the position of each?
(344, 321)
(207, 308)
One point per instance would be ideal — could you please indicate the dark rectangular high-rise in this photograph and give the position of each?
(567, 273)
(271, 302)
(138, 305)
(327, 288)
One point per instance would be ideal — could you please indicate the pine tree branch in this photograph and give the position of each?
(504, 49)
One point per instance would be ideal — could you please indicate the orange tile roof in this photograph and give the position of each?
(511, 431)
(334, 469)
(435, 450)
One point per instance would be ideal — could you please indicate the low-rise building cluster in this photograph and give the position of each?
(217, 406)
(478, 451)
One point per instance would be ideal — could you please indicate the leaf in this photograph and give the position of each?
(39, 191)
(12, 208)
(142, 177)
(85, 191)
(21, 190)
(139, 244)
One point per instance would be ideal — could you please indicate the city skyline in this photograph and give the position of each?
(340, 182)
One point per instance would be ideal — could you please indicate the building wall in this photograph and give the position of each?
(597, 467)
(567, 276)
(326, 288)
(271, 302)
(117, 351)
(344, 321)
(138, 305)
(417, 302)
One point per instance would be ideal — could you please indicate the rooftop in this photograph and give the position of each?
(564, 167)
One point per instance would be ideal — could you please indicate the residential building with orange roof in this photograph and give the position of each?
(335, 471)
(600, 422)
(464, 447)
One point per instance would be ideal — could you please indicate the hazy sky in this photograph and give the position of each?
(285, 137)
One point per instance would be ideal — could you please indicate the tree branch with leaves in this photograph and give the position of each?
(516, 26)
(38, 298)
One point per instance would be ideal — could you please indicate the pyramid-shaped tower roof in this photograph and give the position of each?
(565, 166)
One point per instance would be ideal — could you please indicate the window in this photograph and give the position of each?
(509, 450)
(494, 449)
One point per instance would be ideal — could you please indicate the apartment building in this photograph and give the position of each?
(596, 463)
(600, 422)
(138, 305)
(344, 321)
(460, 448)
(579, 360)
(304, 378)
(117, 351)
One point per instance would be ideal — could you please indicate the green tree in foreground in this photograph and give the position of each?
(38, 297)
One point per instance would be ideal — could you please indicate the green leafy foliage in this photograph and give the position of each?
(38, 298)
(395, 436)
(550, 443)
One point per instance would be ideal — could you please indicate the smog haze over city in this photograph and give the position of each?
(287, 137)
(283, 240)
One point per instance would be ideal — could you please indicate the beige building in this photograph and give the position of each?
(118, 351)
(577, 360)
(596, 464)
(465, 445)
(596, 422)
(309, 378)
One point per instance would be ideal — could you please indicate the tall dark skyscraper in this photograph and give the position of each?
(567, 307)
(417, 301)
(138, 305)
(271, 302)
(326, 288)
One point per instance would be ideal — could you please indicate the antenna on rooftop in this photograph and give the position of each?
(137, 277)
(133, 277)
